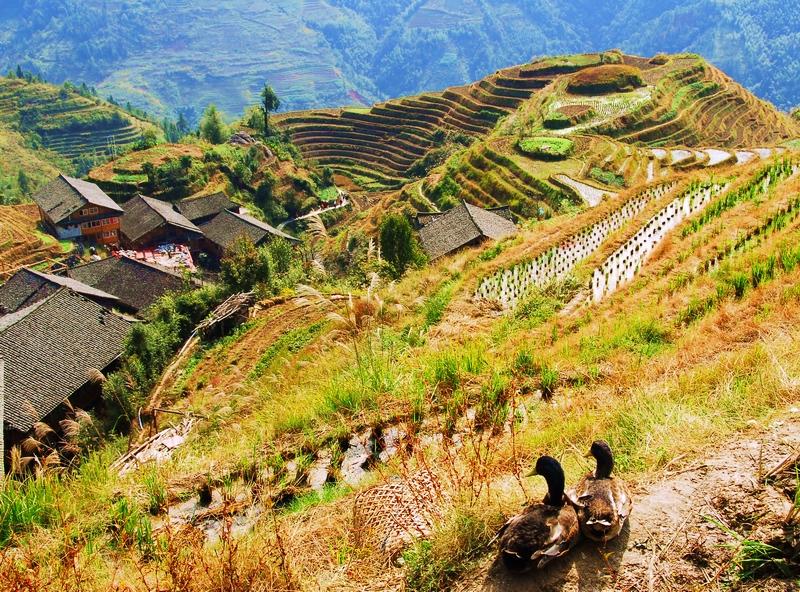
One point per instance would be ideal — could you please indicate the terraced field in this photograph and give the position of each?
(66, 122)
(685, 103)
(21, 242)
(380, 145)
(699, 105)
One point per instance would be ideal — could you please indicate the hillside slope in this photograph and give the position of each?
(682, 101)
(17, 156)
(302, 411)
(77, 126)
(323, 53)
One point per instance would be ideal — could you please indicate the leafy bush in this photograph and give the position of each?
(244, 266)
(399, 244)
(546, 148)
(445, 192)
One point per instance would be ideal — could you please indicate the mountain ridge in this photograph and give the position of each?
(320, 53)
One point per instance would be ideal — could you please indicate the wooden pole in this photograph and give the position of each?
(2, 420)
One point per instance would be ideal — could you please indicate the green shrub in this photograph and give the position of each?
(399, 244)
(546, 148)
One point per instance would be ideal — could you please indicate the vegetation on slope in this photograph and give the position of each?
(605, 79)
(420, 355)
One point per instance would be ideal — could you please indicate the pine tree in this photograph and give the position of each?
(269, 103)
(20, 73)
(182, 125)
(212, 127)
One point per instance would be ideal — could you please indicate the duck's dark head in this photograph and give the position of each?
(551, 470)
(601, 451)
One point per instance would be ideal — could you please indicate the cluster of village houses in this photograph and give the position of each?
(59, 329)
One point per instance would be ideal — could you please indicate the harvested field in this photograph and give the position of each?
(21, 241)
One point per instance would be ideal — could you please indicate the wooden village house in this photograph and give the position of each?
(442, 233)
(150, 222)
(137, 284)
(223, 230)
(75, 209)
(52, 351)
(28, 286)
(200, 210)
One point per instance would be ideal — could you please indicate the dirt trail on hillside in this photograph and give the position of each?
(670, 544)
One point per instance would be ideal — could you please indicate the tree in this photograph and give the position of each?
(148, 139)
(20, 74)
(269, 103)
(212, 128)
(23, 183)
(398, 244)
(182, 125)
(245, 266)
(327, 177)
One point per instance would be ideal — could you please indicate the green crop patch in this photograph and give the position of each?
(546, 147)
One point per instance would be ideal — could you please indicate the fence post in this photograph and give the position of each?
(2, 420)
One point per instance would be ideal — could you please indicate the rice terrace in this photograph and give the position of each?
(535, 328)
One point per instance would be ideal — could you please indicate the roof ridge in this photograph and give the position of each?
(65, 282)
(467, 207)
(69, 181)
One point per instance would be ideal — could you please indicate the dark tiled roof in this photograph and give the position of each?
(491, 224)
(49, 349)
(136, 283)
(455, 228)
(226, 227)
(197, 208)
(64, 195)
(145, 214)
(28, 286)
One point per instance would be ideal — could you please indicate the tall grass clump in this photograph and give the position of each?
(433, 310)
(25, 505)
(130, 527)
(455, 548)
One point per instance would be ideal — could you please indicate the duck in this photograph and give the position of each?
(542, 531)
(602, 501)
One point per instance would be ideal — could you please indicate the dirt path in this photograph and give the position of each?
(670, 544)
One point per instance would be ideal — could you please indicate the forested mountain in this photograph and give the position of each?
(166, 54)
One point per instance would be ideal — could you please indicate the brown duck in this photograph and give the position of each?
(542, 531)
(602, 501)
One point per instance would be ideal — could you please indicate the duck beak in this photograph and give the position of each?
(588, 454)
(533, 473)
